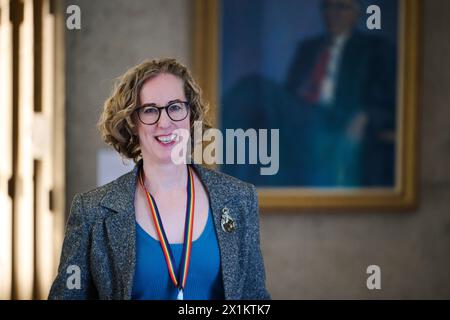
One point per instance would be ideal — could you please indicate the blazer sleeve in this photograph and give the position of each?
(255, 281)
(73, 280)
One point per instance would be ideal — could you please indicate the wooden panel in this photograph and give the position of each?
(6, 147)
(32, 213)
(43, 151)
(23, 272)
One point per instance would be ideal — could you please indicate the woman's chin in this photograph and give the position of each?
(165, 158)
(162, 154)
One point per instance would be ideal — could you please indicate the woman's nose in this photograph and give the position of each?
(164, 120)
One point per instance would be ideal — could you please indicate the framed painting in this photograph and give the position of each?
(336, 85)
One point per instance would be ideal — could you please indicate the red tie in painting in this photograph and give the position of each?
(312, 94)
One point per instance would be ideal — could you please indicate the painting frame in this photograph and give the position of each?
(403, 197)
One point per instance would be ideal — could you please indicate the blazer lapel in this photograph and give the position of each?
(228, 242)
(121, 233)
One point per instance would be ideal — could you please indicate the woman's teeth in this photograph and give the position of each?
(167, 139)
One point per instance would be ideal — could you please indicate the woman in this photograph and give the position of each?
(164, 230)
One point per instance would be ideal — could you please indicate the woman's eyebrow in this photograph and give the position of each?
(151, 104)
(176, 100)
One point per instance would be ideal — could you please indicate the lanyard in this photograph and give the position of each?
(179, 281)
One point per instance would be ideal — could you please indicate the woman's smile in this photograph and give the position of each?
(167, 140)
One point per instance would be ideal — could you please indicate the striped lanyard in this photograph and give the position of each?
(179, 281)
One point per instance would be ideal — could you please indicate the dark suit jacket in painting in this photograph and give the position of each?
(101, 239)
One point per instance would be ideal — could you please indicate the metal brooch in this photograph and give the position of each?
(227, 222)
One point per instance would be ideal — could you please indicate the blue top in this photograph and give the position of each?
(152, 281)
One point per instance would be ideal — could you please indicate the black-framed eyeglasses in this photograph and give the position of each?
(150, 113)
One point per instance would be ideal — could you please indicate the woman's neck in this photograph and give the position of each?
(163, 177)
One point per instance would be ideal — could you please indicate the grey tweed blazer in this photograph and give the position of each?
(100, 240)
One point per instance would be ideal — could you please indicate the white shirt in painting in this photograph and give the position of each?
(328, 85)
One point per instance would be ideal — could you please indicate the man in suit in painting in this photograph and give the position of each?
(348, 78)
(335, 111)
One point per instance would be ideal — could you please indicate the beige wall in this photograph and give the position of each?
(308, 256)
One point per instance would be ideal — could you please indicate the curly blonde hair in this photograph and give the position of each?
(118, 121)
